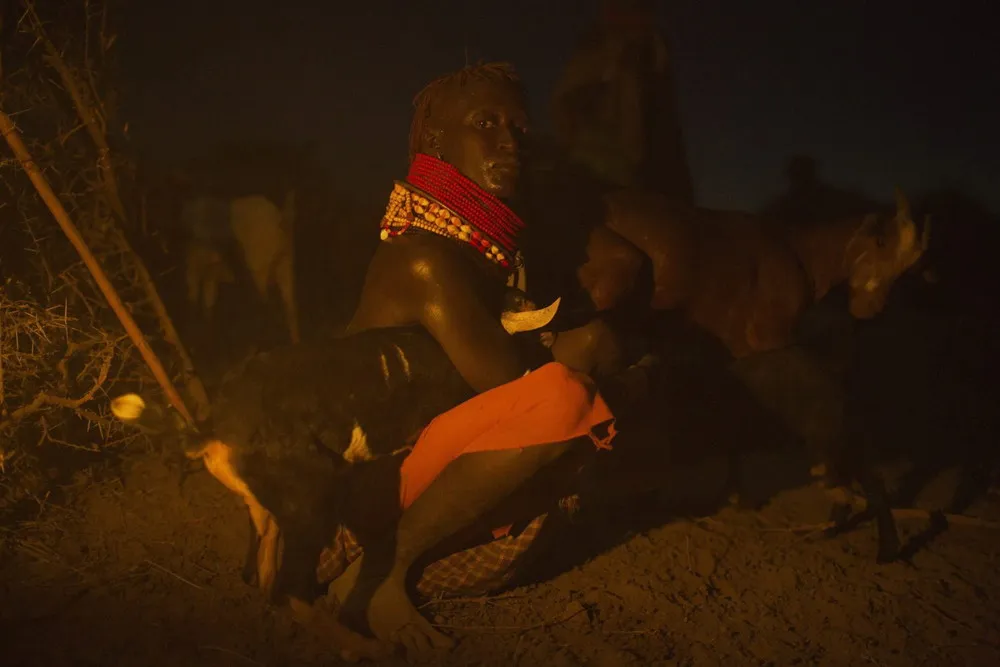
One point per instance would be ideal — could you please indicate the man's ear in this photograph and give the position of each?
(432, 141)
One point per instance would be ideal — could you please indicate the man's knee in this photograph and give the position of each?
(628, 260)
(612, 270)
(615, 284)
(625, 263)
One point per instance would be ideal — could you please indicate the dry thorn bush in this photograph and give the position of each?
(62, 350)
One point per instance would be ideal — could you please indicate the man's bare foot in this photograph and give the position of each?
(385, 605)
(392, 617)
(350, 645)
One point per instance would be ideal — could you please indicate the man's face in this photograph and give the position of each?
(481, 136)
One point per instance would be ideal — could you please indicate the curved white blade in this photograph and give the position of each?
(529, 320)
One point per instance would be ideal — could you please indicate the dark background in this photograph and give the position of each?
(882, 93)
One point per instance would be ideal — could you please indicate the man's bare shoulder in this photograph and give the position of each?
(429, 259)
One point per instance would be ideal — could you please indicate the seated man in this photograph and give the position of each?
(449, 248)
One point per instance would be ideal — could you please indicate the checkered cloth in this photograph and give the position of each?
(478, 570)
(485, 567)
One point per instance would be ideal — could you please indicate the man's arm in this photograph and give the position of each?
(455, 314)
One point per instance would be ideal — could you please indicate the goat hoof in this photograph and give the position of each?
(839, 513)
(888, 551)
(888, 544)
(885, 558)
(249, 577)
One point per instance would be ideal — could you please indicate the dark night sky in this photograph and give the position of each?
(881, 92)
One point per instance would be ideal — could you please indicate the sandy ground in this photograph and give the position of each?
(137, 570)
(131, 568)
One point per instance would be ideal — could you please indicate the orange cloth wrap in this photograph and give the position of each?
(551, 404)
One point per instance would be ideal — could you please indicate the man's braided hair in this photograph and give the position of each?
(435, 95)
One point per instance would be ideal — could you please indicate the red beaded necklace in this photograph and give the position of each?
(437, 198)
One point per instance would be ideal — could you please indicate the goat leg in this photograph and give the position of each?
(249, 575)
(873, 486)
(877, 507)
(187, 468)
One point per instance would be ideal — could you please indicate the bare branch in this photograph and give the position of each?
(55, 206)
(43, 399)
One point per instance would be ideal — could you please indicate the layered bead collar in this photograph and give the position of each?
(437, 198)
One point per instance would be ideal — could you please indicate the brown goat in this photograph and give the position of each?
(747, 282)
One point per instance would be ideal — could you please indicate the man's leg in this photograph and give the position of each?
(468, 488)
(466, 462)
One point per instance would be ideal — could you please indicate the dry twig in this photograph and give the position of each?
(9, 133)
(88, 108)
(173, 574)
(515, 628)
(42, 399)
(61, 350)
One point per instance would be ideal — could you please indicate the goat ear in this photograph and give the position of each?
(907, 237)
(869, 223)
(902, 205)
(336, 458)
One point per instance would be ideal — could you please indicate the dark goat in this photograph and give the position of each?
(288, 422)
(922, 387)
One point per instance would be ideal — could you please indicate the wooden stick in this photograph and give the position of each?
(12, 137)
(196, 390)
(91, 121)
(83, 110)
